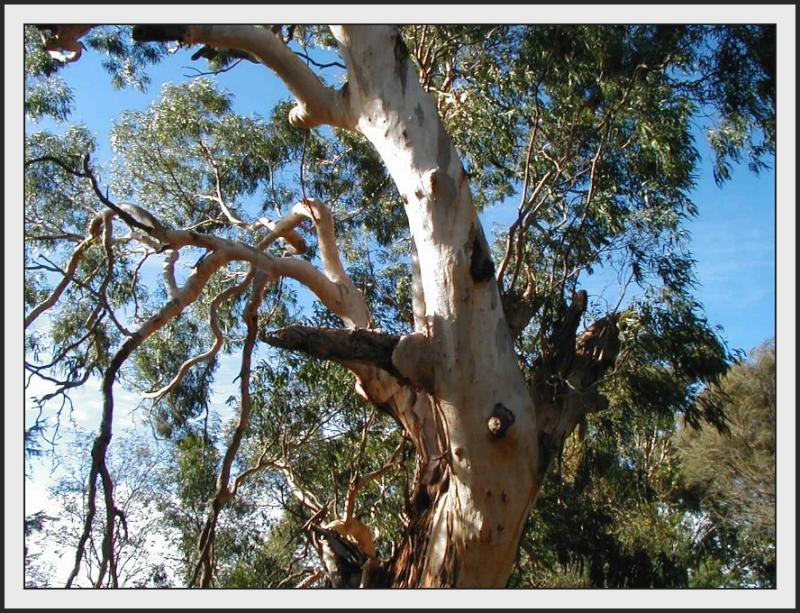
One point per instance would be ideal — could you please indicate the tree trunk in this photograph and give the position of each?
(475, 488)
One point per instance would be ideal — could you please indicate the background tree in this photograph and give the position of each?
(476, 368)
(732, 473)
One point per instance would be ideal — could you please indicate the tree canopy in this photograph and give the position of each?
(182, 253)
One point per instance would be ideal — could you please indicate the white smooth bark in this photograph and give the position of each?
(477, 522)
(316, 103)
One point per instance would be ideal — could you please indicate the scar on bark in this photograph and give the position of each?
(401, 55)
(481, 266)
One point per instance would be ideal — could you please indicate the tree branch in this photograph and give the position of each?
(188, 294)
(64, 37)
(316, 103)
(224, 492)
(407, 358)
(357, 485)
(231, 292)
(340, 345)
(95, 231)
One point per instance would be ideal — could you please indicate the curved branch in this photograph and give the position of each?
(219, 198)
(316, 103)
(169, 273)
(283, 229)
(357, 310)
(231, 292)
(224, 493)
(307, 499)
(108, 245)
(260, 465)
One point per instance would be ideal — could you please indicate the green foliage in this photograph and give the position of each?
(262, 564)
(609, 515)
(732, 473)
(160, 359)
(58, 203)
(125, 60)
(173, 153)
(738, 80)
(641, 500)
(670, 353)
(46, 92)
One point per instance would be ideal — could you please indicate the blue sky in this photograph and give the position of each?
(733, 238)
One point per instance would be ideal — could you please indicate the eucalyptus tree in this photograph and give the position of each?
(473, 362)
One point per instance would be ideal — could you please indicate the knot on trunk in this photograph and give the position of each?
(500, 421)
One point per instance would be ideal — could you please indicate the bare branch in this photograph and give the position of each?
(218, 186)
(307, 499)
(224, 493)
(332, 265)
(283, 228)
(200, 73)
(87, 173)
(260, 465)
(337, 344)
(169, 273)
(312, 61)
(310, 580)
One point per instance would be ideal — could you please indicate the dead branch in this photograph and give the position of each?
(341, 345)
